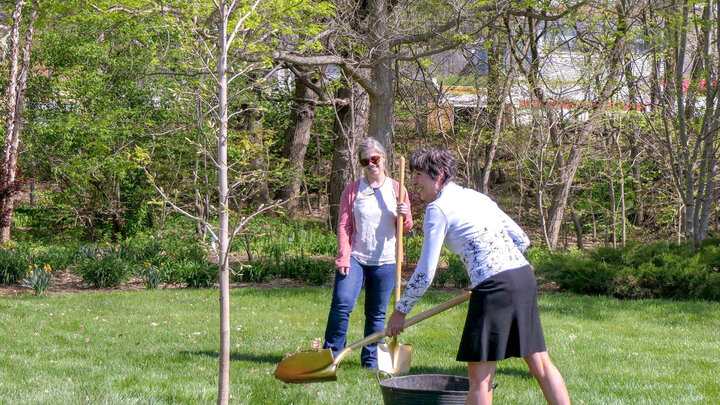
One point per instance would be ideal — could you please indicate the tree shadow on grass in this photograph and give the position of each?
(514, 372)
(457, 370)
(461, 370)
(235, 356)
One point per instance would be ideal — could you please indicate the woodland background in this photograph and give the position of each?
(589, 122)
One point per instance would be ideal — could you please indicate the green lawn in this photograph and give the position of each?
(153, 347)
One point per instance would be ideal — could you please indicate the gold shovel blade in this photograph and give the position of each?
(313, 366)
(394, 357)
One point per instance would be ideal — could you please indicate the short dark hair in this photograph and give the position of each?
(434, 162)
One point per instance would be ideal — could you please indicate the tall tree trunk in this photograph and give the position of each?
(382, 92)
(9, 184)
(561, 192)
(382, 106)
(351, 120)
(297, 137)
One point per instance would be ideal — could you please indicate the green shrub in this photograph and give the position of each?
(196, 274)
(14, 261)
(324, 244)
(104, 271)
(413, 247)
(310, 270)
(658, 270)
(314, 271)
(256, 271)
(629, 286)
(607, 255)
(59, 257)
(186, 250)
(455, 274)
(151, 275)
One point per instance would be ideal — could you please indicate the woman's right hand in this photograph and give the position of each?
(402, 208)
(343, 270)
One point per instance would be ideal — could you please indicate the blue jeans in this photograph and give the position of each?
(379, 282)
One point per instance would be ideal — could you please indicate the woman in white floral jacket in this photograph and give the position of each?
(503, 319)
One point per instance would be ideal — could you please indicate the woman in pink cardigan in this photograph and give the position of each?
(366, 249)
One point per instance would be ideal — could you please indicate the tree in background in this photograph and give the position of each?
(19, 62)
(685, 122)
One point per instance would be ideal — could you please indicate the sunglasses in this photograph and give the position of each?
(372, 159)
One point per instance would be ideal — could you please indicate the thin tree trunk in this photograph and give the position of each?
(685, 168)
(613, 211)
(577, 225)
(622, 189)
(223, 210)
(197, 202)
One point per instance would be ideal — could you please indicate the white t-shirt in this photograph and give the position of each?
(374, 211)
(474, 227)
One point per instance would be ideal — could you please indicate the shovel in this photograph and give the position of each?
(318, 366)
(394, 358)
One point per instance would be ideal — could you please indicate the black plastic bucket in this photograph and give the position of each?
(423, 389)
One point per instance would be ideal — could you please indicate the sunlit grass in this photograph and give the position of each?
(160, 347)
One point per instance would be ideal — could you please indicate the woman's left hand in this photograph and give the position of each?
(396, 323)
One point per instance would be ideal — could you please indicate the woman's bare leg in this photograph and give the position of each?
(549, 378)
(480, 375)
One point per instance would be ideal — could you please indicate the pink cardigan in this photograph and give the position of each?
(346, 221)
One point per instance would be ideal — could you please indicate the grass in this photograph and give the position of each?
(160, 347)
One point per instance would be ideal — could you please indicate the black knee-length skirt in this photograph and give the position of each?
(503, 319)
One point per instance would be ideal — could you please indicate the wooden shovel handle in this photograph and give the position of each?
(408, 322)
(399, 237)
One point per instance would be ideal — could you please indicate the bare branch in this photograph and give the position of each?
(157, 9)
(167, 200)
(320, 60)
(430, 34)
(544, 17)
(260, 210)
(239, 23)
(310, 85)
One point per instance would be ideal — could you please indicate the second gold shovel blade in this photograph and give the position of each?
(394, 358)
